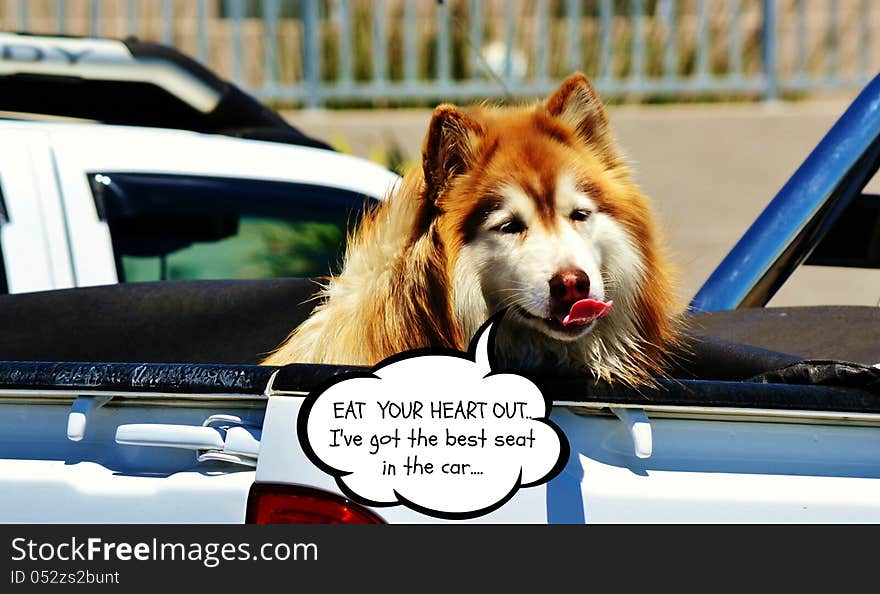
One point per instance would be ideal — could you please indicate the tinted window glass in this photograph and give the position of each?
(172, 227)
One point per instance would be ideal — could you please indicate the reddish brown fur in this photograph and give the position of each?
(466, 156)
(530, 148)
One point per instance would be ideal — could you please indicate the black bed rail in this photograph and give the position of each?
(253, 381)
(160, 378)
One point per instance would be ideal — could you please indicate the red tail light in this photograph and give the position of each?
(270, 503)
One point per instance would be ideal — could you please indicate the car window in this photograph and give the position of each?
(178, 227)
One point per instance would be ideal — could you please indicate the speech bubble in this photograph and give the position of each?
(436, 430)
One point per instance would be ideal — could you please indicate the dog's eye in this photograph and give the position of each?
(579, 215)
(511, 226)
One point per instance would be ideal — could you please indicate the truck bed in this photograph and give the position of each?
(739, 433)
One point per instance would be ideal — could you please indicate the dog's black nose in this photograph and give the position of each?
(570, 285)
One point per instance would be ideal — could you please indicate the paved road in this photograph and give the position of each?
(709, 170)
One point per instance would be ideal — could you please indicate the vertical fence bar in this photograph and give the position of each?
(832, 39)
(735, 49)
(345, 66)
(573, 14)
(864, 19)
(410, 51)
(23, 15)
(605, 40)
(168, 22)
(270, 24)
(801, 38)
(542, 39)
(201, 17)
(769, 48)
(443, 24)
(702, 40)
(61, 16)
(311, 53)
(379, 59)
(670, 53)
(509, 39)
(96, 18)
(131, 14)
(637, 8)
(235, 9)
(475, 35)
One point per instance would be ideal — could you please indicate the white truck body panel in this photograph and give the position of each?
(717, 471)
(713, 471)
(44, 477)
(699, 471)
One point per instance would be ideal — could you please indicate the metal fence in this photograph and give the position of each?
(320, 52)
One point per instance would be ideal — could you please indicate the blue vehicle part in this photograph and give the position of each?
(803, 211)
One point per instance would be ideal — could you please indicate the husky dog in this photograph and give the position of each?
(531, 210)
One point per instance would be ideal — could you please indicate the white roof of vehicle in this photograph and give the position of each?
(106, 148)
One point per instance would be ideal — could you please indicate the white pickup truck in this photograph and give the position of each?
(141, 402)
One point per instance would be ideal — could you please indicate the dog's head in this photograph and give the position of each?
(538, 214)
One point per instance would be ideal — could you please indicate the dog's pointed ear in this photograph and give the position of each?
(449, 148)
(577, 105)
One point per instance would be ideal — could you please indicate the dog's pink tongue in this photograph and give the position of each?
(587, 310)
